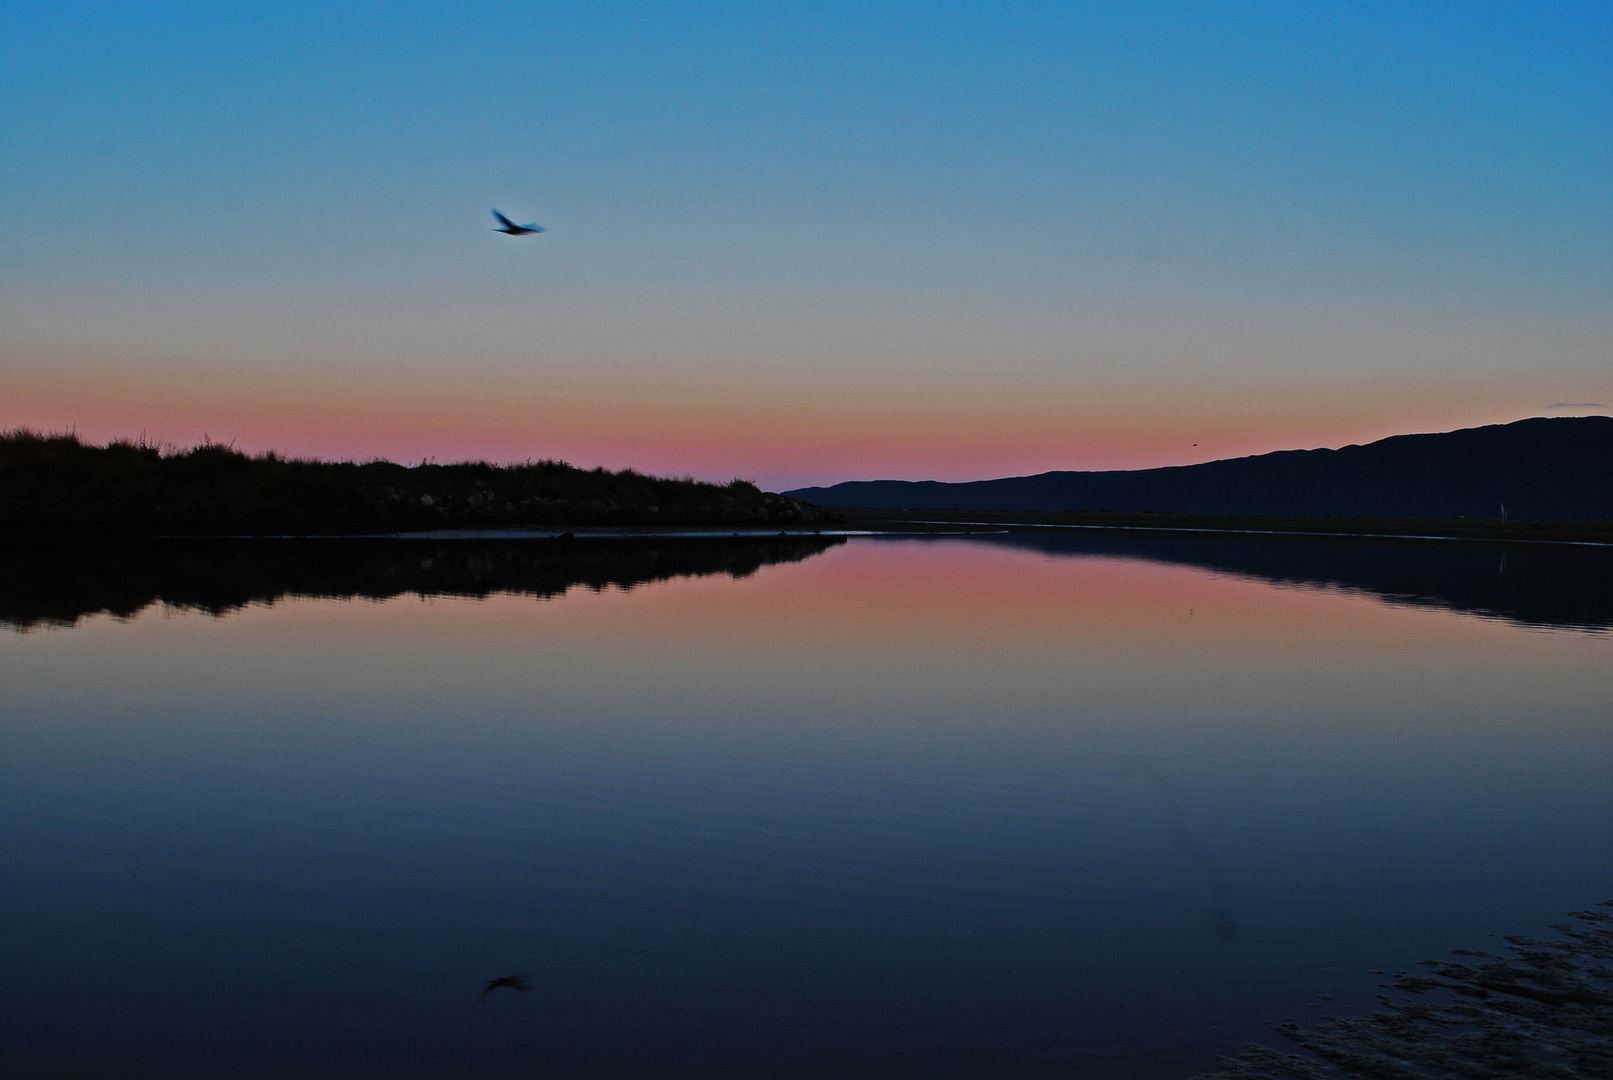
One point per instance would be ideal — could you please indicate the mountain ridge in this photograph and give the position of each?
(1541, 468)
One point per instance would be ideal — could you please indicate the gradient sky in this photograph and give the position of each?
(812, 243)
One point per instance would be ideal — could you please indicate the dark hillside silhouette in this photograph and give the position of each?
(56, 483)
(1557, 469)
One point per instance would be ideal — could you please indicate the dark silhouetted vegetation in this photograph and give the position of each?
(57, 584)
(56, 482)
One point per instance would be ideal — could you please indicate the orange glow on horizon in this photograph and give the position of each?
(781, 433)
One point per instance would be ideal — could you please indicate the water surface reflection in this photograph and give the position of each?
(896, 808)
(1542, 585)
(1565, 585)
(58, 585)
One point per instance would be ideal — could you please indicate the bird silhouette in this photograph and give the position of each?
(520, 982)
(512, 229)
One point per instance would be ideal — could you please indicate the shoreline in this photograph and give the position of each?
(1577, 533)
(860, 522)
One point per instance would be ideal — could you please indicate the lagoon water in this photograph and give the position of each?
(1006, 806)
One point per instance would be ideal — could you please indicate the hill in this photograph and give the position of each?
(1544, 468)
(58, 484)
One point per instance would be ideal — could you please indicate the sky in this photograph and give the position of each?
(803, 243)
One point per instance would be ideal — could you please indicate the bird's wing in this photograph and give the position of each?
(534, 227)
(504, 221)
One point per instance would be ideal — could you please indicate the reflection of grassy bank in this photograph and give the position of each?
(54, 584)
(1544, 1011)
(57, 483)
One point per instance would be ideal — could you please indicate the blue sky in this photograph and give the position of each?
(962, 238)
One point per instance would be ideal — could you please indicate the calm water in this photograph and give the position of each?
(1010, 806)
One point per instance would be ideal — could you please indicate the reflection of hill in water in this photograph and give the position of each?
(1534, 585)
(58, 586)
(1543, 585)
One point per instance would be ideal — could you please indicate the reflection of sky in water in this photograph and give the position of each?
(903, 806)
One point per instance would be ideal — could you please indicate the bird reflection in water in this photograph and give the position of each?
(1193, 843)
(520, 982)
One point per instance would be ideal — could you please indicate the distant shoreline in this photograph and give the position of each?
(1590, 533)
(876, 523)
(55, 489)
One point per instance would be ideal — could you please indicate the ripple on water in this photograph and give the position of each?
(814, 823)
(545, 933)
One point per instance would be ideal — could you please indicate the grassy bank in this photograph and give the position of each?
(51, 483)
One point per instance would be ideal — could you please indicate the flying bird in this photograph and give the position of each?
(512, 229)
